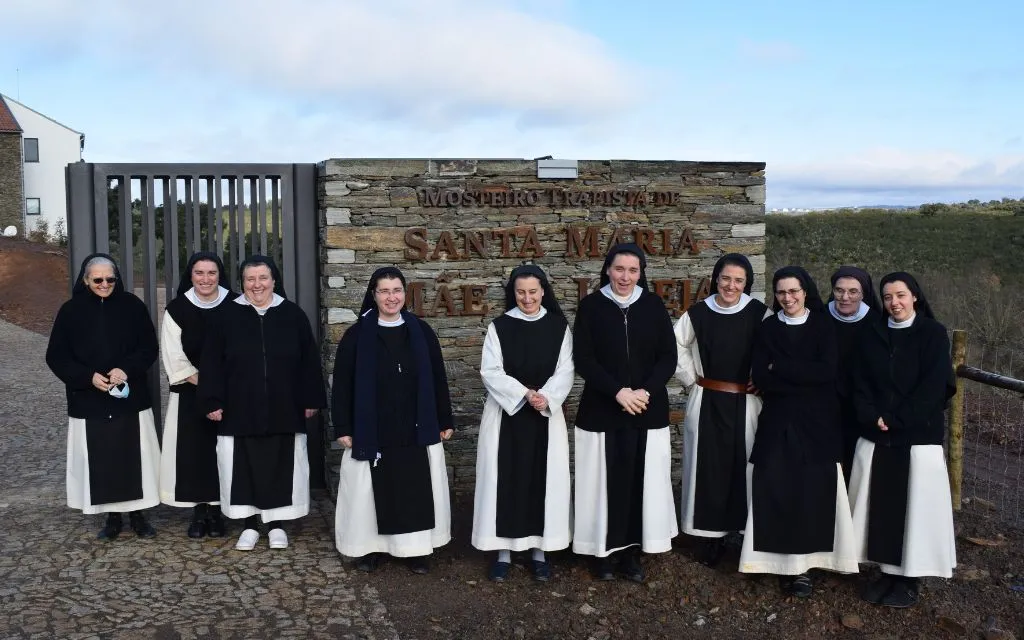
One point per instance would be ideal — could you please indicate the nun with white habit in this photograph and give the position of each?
(902, 508)
(799, 516)
(522, 497)
(625, 351)
(101, 346)
(260, 382)
(391, 410)
(715, 340)
(188, 461)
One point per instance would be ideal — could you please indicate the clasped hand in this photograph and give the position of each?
(114, 378)
(633, 401)
(536, 400)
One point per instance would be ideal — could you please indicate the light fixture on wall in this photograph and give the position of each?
(548, 167)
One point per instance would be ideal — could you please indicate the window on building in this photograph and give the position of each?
(32, 207)
(31, 149)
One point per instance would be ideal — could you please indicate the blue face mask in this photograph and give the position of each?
(119, 392)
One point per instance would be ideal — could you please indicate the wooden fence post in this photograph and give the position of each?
(956, 421)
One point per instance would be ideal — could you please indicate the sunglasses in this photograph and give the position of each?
(101, 280)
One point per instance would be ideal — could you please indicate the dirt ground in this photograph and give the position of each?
(680, 598)
(33, 283)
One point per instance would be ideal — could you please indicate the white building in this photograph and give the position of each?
(47, 148)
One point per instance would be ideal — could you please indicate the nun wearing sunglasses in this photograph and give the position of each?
(101, 345)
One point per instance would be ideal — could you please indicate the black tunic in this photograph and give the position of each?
(905, 376)
(615, 348)
(798, 441)
(402, 487)
(848, 336)
(725, 343)
(195, 459)
(529, 352)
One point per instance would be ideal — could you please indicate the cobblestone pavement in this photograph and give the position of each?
(58, 581)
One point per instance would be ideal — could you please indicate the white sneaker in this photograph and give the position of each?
(278, 539)
(247, 541)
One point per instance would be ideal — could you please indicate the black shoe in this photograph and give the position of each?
(603, 569)
(711, 551)
(419, 565)
(215, 525)
(197, 527)
(629, 567)
(112, 528)
(541, 570)
(368, 563)
(498, 571)
(139, 525)
(876, 590)
(797, 586)
(903, 594)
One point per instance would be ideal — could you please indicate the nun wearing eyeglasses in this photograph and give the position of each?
(522, 497)
(853, 305)
(625, 351)
(902, 508)
(188, 463)
(799, 516)
(101, 346)
(260, 381)
(391, 411)
(715, 339)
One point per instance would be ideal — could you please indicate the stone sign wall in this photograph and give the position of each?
(456, 228)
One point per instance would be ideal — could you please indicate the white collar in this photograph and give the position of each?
(902, 325)
(858, 315)
(274, 301)
(736, 308)
(192, 297)
(518, 314)
(391, 323)
(620, 301)
(793, 321)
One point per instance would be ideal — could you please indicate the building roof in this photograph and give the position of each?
(43, 115)
(8, 123)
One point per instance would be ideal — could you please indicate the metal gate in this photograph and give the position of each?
(235, 210)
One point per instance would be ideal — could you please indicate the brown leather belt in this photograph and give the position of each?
(720, 385)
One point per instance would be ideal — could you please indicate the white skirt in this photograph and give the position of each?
(79, 494)
(929, 541)
(659, 508)
(557, 504)
(169, 457)
(842, 558)
(691, 425)
(300, 484)
(355, 516)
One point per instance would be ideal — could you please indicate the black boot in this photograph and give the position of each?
(603, 568)
(629, 565)
(112, 528)
(197, 527)
(903, 594)
(797, 586)
(420, 564)
(139, 525)
(710, 551)
(215, 522)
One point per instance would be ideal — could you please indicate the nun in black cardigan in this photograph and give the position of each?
(101, 346)
(391, 409)
(853, 305)
(625, 351)
(902, 508)
(188, 461)
(799, 516)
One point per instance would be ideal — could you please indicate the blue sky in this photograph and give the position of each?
(868, 102)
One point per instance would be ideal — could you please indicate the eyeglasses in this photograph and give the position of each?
(102, 280)
(390, 292)
(792, 292)
(840, 292)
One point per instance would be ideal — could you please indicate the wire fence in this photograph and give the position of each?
(993, 434)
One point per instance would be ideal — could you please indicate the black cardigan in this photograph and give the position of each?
(263, 371)
(94, 335)
(606, 364)
(906, 382)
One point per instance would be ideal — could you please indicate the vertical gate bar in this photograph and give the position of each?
(275, 217)
(240, 223)
(126, 225)
(253, 222)
(210, 211)
(189, 196)
(218, 226)
(306, 232)
(101, 218)
(232, 237)
(289, 272)
(81, 216)
(172, 240)
(262, 180)
(149, 276)
(197, 238)
(170, 211)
